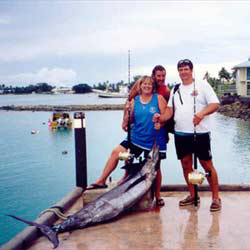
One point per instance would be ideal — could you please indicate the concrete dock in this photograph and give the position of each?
(168, 227)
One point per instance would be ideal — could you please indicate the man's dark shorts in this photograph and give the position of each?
(137, 150)
(185, 145)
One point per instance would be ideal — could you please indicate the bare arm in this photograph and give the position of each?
(134, 91)
(162, 104)
(129, 106)
(210, 109)
(165, 113)
(167, 93)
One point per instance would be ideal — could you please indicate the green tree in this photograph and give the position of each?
(43, 87)
(135, 78)
(224, 75)
(82, 88)
(214, 82)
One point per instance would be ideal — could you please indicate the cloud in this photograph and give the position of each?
(157, 32)
(5, 20)
(55, 76)
(144, 27)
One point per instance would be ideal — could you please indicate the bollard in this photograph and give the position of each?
(80, 149)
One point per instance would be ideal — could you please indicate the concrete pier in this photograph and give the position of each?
(168, 227)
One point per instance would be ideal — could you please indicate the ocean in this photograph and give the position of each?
(35, 174)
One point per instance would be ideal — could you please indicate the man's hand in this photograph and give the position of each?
(210, 109)
(197, 118)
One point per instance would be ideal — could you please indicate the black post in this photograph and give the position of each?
(195, 167)
(195, 148)
(80, 149)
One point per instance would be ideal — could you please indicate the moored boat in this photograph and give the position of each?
(123, 93)
(112, 95)
(60, 120)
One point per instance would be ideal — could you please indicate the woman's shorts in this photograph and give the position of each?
(137, 151)
(186, 145)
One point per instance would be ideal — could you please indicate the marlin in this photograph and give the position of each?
(109, 205)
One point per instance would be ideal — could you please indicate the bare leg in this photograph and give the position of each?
(187, 162)
(110, 165)
(213, 179)
(158, 180)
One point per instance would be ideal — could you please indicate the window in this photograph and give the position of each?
(248, 88)
(248, 73)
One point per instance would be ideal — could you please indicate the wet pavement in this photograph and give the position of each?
(168, 227)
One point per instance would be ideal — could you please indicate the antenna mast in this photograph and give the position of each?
(128, 68)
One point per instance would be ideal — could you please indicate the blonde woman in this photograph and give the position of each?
(143, 132)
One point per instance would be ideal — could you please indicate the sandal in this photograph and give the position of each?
(160, 202)
(96, 186)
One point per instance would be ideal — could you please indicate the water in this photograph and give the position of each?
(34, 174)
(39, 99)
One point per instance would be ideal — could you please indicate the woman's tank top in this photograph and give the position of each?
(143, 133)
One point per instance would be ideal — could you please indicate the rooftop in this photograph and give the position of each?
(243, 65)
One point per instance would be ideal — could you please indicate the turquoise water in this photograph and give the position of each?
(34, 174)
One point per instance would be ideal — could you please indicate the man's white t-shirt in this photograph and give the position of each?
(184, 112)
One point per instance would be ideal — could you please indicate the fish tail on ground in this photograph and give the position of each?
(46, 230)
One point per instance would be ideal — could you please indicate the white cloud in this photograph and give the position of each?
(5, 20)
(145, 27)
(211, 32)
(55, 76)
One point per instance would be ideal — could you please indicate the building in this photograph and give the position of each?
(62, 90)
(243, 78)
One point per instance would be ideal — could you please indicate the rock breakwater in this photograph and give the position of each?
(239, 109)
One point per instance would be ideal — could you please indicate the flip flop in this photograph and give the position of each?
(96, 186)
(160, 202)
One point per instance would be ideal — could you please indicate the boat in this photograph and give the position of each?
(123, 93)
(112, 95)
(60, 120)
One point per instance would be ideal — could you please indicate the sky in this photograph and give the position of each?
(65, 43)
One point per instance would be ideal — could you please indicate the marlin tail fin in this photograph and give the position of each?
(46, 230)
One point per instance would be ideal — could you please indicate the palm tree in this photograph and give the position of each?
(224, 74)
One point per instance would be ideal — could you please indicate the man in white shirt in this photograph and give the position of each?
(199, 97)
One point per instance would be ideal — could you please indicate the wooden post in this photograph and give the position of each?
(80, 149)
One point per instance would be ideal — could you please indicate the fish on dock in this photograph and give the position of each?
(109, 205)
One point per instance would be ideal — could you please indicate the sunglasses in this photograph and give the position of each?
(185, 62)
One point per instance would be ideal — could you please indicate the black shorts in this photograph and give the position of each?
(185, 145)
(137, 151)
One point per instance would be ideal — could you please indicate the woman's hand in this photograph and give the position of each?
(125, 126)
(156, 120)
(156, 117)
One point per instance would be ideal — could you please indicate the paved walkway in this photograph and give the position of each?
(169, 227)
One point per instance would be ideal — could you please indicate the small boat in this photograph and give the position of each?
(60, 120)
(112, 95)
(33, 132)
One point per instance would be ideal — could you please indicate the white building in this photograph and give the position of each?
(62, 90)
(243, 78)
